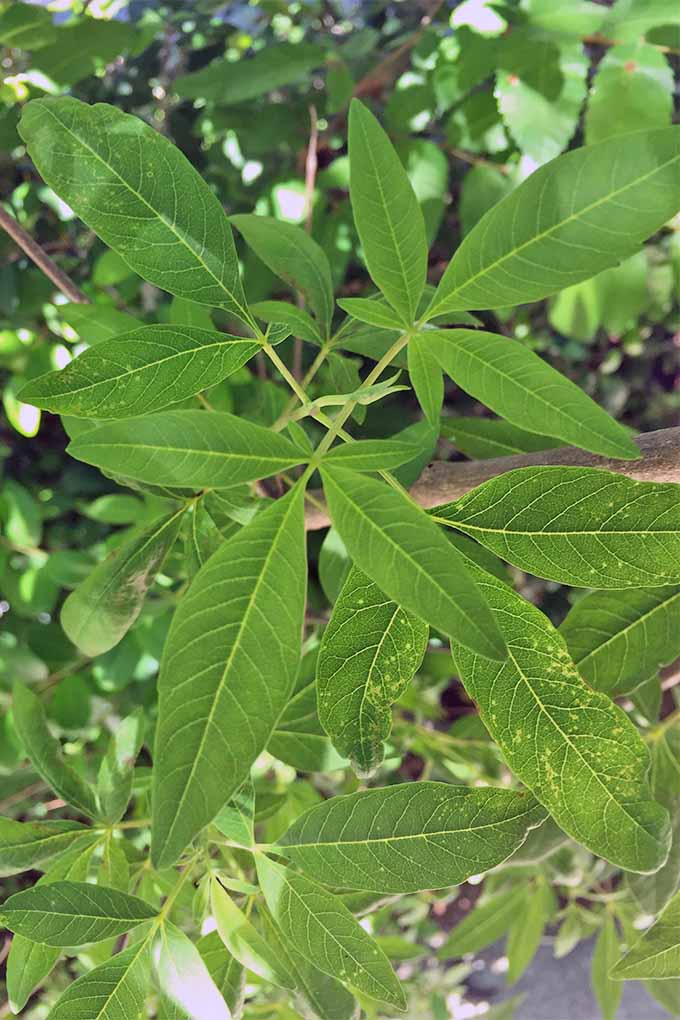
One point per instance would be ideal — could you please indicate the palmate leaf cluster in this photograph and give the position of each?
(180, 881)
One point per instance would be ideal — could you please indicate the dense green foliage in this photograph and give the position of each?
(270, 718)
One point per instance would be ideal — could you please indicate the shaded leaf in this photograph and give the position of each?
(184, 976)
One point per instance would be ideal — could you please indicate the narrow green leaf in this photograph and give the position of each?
(485, 924)
(225, 970)
(184, 977)
(618, 639)
(175, 236)
(581, 526)
(244, 611)
(632, 90)
(517, 384)
(375, 311)
(73, 913)
(411, 836)
(322, 930)
(187, 448)
(29, 963)
(387, 215)
(103, 608)
(298, 321)
(371, 454)
(116, 772)
(236, 819)
(607, 991)
(526, 931)
(426, 377)
(326, 997)
(549, 725)
(656, 954)
(244, 941)
(140, 372)
(114, 990)
(273, 67)
(30, 845)
(370, 652)
(581, 213)
(45, 752)
(94, 323)
(295, 257)
(483, 438)
(400, 548)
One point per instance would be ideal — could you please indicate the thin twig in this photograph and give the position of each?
(41, 259)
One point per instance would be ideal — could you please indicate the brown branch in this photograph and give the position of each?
(389, 69)
(443, 481)
(41, 259)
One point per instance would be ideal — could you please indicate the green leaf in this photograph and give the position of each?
(295, 257)
(45, 752)
(25, 26)
(483, 186)
(184, 977)
(324, 995)
(557, 227)
(375, 311)
(244, 611)
(387, 215)
(607, 992)
(550, 727)
(140, 372)
(20, 514)
(321, 929)
(116, 772)
(486, 923)
(656, 954)
(236, 819)
(29, 963)
(244, 941)
(94, 323)
(581, 526)
(73, 913)
(400, 548)
(103, 608)
(632, 90)
(483, 438)
(298, 321)
(175, 236)
(227, 973)
(518, 385)
(618, 639)
(31, 845)
(370, 652)
(116, 508)
(228, 82)
(299, 739)
(526, 931)
(371, 454)
(541, 124)
(628, 20)
(187, 448)
(115, 990)
(426, 377)
(411, 836)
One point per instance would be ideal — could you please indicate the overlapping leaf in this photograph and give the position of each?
(114, 990)
(411, 836)
(103, 608)
(656, 954)
(617, 640)
(324, 932)
(184, 976)
(580, 526)
(234, 644)
(399, 547)
(572, 747)
(370, 652)
(29, 845)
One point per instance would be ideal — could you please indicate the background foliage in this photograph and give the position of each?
(475, 96)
